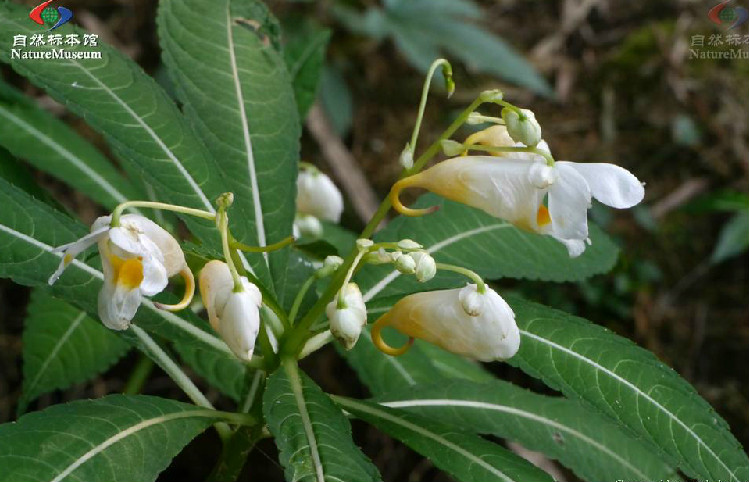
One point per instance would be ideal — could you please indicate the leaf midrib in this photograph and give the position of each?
(445, 402)
(425, 433)
(296, 388)
(77, 162)
(128, 432)
(634, 388)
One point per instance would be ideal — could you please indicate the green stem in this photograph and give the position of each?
(424, 95)
(299, 298)
(223, 227)
(480, 285)
(141, 372)
(157, 205)
(158, 355)
(295, 339)
(234, 454)
(234, 244)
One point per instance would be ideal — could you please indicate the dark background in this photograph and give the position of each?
(626, 92)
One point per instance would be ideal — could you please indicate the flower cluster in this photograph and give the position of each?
(517, 180)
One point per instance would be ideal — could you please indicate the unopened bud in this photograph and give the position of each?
(452, 148)
(409, 244)
(491, 95)
(447, 73)
(364, 243)
(346, 322)
(307, 226)
(407, 157)
(405, 264)
(426, 268)
(329, 266)
(380, 257)
(523, 126)
(471, 300)
(475, 118)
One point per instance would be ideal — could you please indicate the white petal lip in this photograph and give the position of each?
(612, 185)
(318, 196)
(118, 305)
(569, 200)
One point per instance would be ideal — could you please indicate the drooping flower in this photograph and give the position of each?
(513, 186)
(442, 317)
(138, 257)
(317, 196)
(235, 315)
(347, 320)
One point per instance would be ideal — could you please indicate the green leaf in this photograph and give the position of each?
(29, 231)
(240, 101)
(116, 438)
(304, 54)
(630, 385)
(50, 145)
(312, 434)
(465, 456)
(464, 236)
(140, 122)
(590, 444)
(733, 238)
(62, 345)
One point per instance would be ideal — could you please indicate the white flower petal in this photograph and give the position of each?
(612, 185)
(171, 253)
(240, 324)
(569, 200)
(72, 250)
(346, 323)
(118, 305)
(499, 186)
(216, 285)
(154, 276)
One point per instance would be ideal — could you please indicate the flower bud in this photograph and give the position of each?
(407, 157)
(347, 322)
(409, 244)
(364, 243)
(307, 226)
(452, 148)
(235, 315)
(318, 196)
(381, 257)
(491, 95)
(522, 127)
(329, 266)
(426, 268)
(405, 264)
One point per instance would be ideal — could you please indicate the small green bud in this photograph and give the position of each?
(523, 126)
(364, 243)
(409, 244)
(452, 148)
(426, 268)
(447, 73)
(329, 266)
(491, 95)
(405, 264)
(407, 157)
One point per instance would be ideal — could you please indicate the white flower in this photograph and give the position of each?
(405, 264)
(137, 257)
(317, 196)
(235, 315)
(439, 317)
(346, 322)
(513, 189)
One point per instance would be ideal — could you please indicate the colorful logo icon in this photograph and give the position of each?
(722, 14)
(43, 14)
